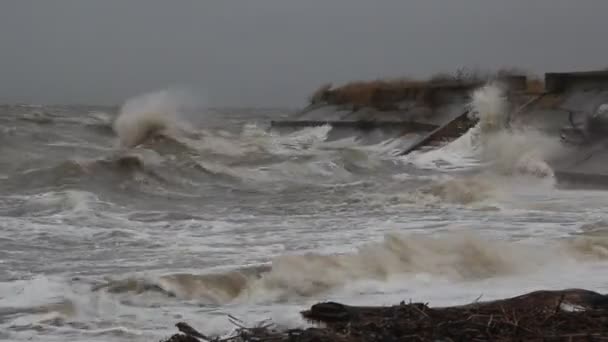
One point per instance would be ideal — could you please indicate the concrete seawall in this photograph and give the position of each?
(565, 110)
(424, 112)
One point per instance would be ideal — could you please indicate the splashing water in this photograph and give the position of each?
(514, 150)
(489, 105)
(146, 115)
(491, 143)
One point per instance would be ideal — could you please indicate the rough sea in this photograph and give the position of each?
(118, 222)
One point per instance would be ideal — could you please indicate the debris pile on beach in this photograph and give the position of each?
(567, 315)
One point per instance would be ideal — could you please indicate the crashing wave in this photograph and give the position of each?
(149, 114)
(458, 256)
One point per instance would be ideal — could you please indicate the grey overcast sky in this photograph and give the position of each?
(275, 52)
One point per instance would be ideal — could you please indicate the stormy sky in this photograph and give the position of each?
(275, 52)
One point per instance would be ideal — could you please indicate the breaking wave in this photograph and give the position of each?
(147, 115)
(254, 154)
(456, 257)
(111, 170)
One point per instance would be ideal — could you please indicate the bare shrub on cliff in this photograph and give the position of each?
(320, 94)
(371, 93)
(385, 94)
(461, 75)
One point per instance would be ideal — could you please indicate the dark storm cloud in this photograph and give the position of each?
(274, 52)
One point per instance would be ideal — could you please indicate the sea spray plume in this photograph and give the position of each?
(511, 150)
(489, 105)
(146, 115)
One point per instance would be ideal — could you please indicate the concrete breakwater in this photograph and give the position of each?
(571, 107)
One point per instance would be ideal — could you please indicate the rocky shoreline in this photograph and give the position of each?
(565, 315)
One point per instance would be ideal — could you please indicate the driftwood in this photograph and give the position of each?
(567, 315)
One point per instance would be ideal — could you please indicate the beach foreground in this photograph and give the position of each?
(565, 315)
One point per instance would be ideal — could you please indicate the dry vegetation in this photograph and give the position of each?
(368, 93)
(385, 93)
(535, 86)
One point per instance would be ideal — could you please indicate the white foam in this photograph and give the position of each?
(73, 201)
(36, 291)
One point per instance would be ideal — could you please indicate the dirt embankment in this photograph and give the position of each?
(386, 94)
